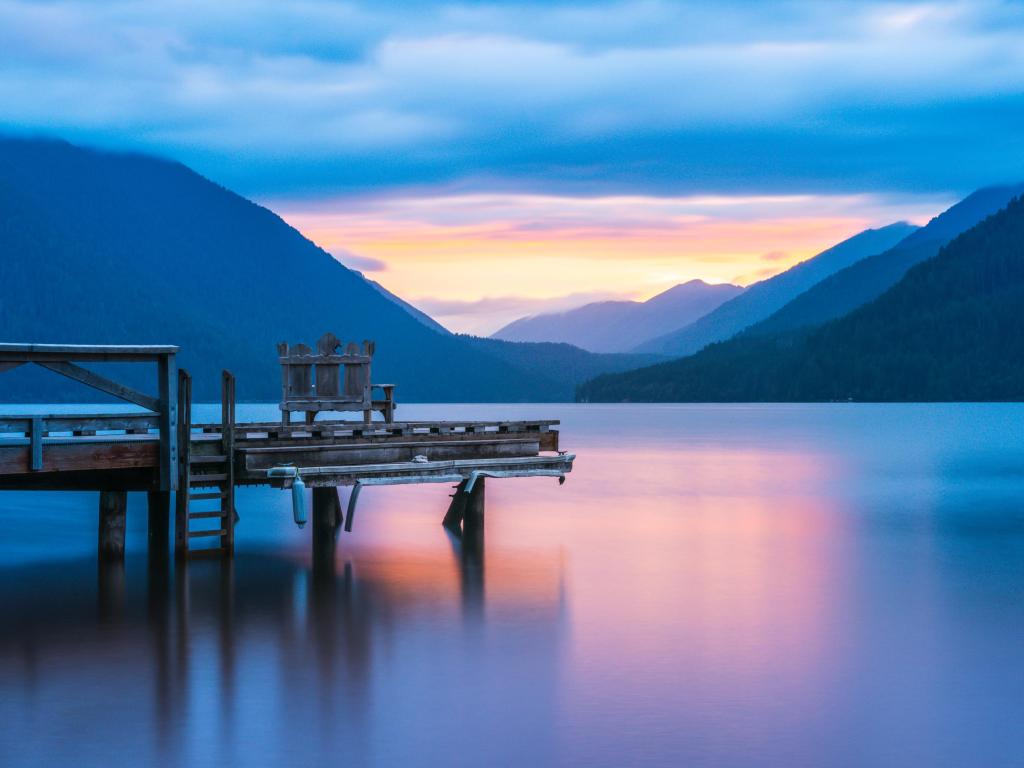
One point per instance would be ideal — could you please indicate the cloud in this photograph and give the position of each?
(774, 256)
(569, 97)
(359, 263)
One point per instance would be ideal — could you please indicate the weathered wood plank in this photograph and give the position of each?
(258, 460)
(42, 353)
(67, 422)
(86, 454)
(434, 471)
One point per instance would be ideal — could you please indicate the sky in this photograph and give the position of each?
(490, 160)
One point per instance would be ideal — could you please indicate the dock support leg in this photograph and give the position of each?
(113, 509)
(466, 512)
(327, 518)
(473, 516)
(453, 518)
(159, 506)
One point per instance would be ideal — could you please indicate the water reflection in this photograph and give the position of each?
(266, 652)
(722, 586)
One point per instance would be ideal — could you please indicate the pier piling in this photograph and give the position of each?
(465, 515)
(159, 508)
(327, 517)
(113, 509)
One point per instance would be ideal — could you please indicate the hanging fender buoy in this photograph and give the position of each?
(298, 492)
(299, 502)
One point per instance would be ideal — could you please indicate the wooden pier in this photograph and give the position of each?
(194, 468)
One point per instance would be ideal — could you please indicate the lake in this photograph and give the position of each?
(745, 585)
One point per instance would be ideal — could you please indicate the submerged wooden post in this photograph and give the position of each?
(327, 518)
(113, 510)
(326, 508)
(159, 508)
(466, 512)
(473, 514)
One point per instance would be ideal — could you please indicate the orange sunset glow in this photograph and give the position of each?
(550, 253)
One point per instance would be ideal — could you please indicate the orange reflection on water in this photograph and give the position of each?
(723, 556)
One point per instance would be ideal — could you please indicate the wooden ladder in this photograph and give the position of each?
(203, 479)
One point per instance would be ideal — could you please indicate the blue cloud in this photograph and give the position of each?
(359, 263)
(585, 98)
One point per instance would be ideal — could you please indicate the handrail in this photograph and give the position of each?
(62, 358)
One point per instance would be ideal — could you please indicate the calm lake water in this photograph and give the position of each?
(802, 585)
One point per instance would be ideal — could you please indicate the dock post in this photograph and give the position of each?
(327, 518)
(466, 512)
(113, 509)
(227, 430)
(184, 410)
(159, 508)
(456, 509)
(473, 514)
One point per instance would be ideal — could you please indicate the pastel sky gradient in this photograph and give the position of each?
(488, 160)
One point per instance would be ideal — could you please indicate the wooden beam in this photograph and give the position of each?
(30, 353)
(102, 383)
(184, 455)
(167, 408)
(113, 511)
(227, 435)
(77, 454)
(70, 422)
(258, 460)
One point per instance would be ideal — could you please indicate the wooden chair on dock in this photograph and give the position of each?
(331, 380)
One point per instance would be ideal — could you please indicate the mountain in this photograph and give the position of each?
(618, 326)
(951, 330)
(867, 279)
(97, 247)
(565, 364)
(418, 314)
(761, 299)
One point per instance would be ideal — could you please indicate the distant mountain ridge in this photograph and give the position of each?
(867, 279)
(100, 247)
(762, 299)
(952, 329)
(619, 326)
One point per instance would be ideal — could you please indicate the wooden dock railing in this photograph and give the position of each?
(160, 414)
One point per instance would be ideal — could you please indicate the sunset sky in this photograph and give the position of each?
(489, 160)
